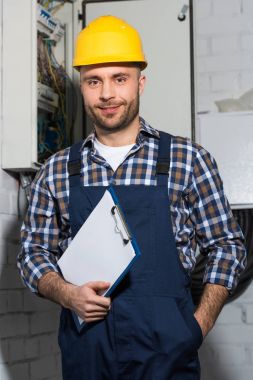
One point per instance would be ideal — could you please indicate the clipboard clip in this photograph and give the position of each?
(115, 209)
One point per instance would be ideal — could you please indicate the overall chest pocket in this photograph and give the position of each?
(140, 225)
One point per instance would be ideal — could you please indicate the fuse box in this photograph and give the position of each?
(40, 88)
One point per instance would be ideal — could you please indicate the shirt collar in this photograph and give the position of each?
(145, 131)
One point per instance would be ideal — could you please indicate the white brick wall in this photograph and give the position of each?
(224, 68)
(28, 349)
(224, 50)
(227, 351)
(28, 325)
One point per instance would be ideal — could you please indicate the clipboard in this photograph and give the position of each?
(104, 248)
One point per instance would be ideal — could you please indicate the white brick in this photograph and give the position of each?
(12, 252)
(225, 81)
(10, 278)
(15, 301)
(219, 372)
(202, 47)
(24, 348)
(10, 228)
(13, 325)
(226, 62)
(203, 83)
(16, 350)
(249, 313)
(247, 296)
(3, 253)
(247, 42)
(203, 9)
(4, 373)
(247, 79)
(5, 203)
(35, 303)
(32, 347)
(226, 355)
(4, 352)
(250, 351)
(234, 355)
(44, 322)
(225, 44)
(226, 7)
(7, 181)
(205, 103)
(207, 354)
(14, 204)
(59, 365)
(230, 314)
(48, 344)
(43, 368)
(224, 25)
(242, 373)
(19, 371)
(3, 302)
(231, 334)
(247, 6)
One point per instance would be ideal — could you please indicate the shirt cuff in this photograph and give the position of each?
(32, 270)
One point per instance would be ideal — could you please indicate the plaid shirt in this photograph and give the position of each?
(200, 211)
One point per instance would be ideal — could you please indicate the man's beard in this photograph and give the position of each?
(131, 110)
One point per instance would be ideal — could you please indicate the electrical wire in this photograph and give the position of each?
(55, 79)
(55, 127)
(49, 4)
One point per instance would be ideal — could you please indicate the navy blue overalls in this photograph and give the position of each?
(150, 332)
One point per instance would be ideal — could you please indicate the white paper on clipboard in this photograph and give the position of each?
(102, 250)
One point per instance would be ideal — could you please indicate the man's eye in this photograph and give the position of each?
(121, 80)
(93, 83)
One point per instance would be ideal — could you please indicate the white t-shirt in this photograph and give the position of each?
(114, 155)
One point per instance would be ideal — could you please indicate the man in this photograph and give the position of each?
(172, 196)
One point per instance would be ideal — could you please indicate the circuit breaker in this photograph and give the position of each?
(40, 96)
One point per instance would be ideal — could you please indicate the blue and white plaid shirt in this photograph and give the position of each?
(200, 211)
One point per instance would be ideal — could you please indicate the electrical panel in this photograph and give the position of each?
(40, 88)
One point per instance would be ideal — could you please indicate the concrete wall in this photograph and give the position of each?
(28, 325)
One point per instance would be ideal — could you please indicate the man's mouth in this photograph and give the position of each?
(109, 109)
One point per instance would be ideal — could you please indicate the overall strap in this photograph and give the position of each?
(163, 159)
(74, 164)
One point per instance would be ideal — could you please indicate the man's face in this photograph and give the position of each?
(111, 94)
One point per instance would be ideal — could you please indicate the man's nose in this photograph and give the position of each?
(107, 91)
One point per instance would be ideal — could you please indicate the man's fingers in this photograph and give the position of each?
(104, 302)
(98, 286)
(88, 304)
(97, 309)
(93, 319)
(94, 316)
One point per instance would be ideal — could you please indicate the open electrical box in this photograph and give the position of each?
(40, 96)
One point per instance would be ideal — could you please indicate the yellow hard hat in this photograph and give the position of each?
(108, 39)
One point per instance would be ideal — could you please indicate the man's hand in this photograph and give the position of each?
(84, 300)
(211, 303)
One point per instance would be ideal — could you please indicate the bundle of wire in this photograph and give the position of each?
(55, 129)
(52, 5)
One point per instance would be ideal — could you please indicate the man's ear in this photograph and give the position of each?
(142, 81)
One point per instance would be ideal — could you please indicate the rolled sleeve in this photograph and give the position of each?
(217, 233)
(39, 235)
